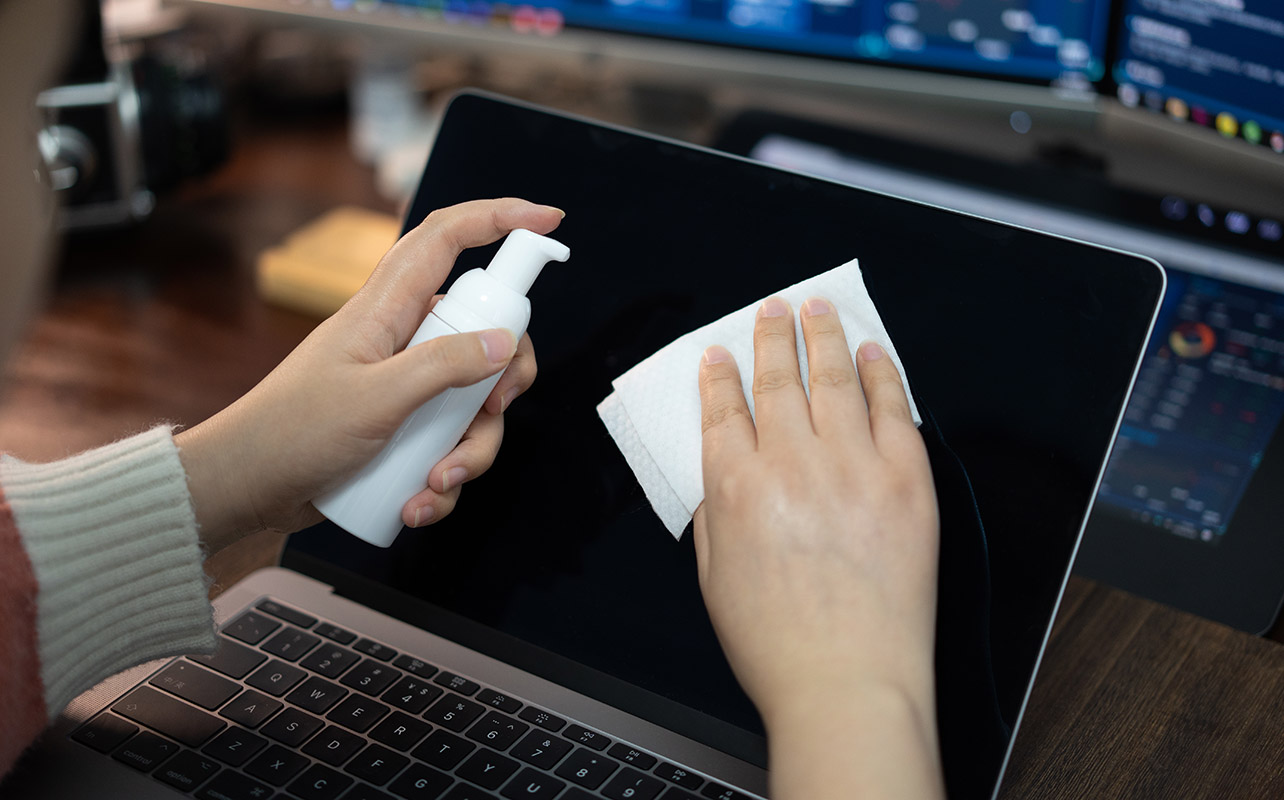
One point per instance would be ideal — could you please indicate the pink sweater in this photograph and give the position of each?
(100, 570)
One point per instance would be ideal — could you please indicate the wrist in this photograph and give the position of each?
(215, 481)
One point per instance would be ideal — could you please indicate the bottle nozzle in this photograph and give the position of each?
(521, 257)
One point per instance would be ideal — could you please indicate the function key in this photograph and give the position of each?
(629, 784)
(375, 650)
(586, 737)
(231, 658)
(290, 644)
(503, 702)
(632, 756)
(335, 633)
(104, 732)
(456, 683)
(542, 718)
(286, 613)
(453, 712)
(251, 627)
(195, 684)
(717, 791)
(414, 666)
(675, 774)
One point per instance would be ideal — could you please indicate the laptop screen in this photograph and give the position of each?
(1019, 347)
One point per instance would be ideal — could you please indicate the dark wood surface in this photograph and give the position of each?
(1134, 700)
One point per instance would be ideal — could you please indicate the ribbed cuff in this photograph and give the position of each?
(113, 543)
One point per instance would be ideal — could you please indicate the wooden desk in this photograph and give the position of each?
(1135, 700)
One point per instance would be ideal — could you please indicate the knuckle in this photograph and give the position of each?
(831, 377)
(773, 380)
(719, 414)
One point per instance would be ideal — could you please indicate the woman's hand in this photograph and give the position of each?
(817, 550)
(332, 404)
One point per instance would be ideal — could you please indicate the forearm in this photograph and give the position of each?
(869, 741)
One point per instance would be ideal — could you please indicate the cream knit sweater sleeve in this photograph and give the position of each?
(112, 541)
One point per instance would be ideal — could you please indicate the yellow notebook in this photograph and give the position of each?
(318, 267)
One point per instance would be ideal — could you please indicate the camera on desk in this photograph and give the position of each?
(131, 119)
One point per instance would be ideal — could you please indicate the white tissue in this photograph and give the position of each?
(653, 414)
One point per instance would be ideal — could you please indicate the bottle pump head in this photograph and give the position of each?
(521, 257)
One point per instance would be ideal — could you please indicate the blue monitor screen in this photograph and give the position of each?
(1215, 63)
(1046, 41)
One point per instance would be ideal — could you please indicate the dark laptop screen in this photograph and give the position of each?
(1020, 349)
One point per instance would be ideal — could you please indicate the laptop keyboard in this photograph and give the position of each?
(294, 707)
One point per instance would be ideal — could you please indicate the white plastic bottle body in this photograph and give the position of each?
(369, 504)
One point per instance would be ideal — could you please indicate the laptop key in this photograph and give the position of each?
(195, 684)
(443, 749)
(358, 713)
(334, 745)
(104, 732)
(276, 677)
(164, 714)
(634, 757)
(330, 661)
(503, 702)
(233, 659)
(317, 695)
(187, 770)
(456, 683)
(532, 785)
(377, 764)
(465, 791)
(629, 784)
(453, 712)
(716, 791)
(420, 782)
(675, 774)
(375, 650)
(232, 785)
(497, 731)
(234, 746)
(290, 615)
(320, 783)
(363, 792)
(401, 731)
(145, 751)
(586, 737)
(543, 719)
(414, 666)
(292, 727)
(540, 749)
(251, 709)
(251, 627)
(586, 768)
(335, 633)
(674, 793)
(371, 677)
(277, 765)
(412, 694)
(487, 769)
(290, 644)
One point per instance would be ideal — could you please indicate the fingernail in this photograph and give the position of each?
(871, 351)
(452, 477)
(817, 306)
(423, 515)
(716, 354)
(498, 344)
(774, 307)
(558, 210)
(506, 399)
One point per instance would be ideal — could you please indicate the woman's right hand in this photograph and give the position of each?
(817, 549)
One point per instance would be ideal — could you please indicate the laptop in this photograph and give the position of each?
(548, 639)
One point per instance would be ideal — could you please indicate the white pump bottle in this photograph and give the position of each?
(369, 504)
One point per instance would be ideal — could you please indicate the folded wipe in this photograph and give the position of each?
(653, 412)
